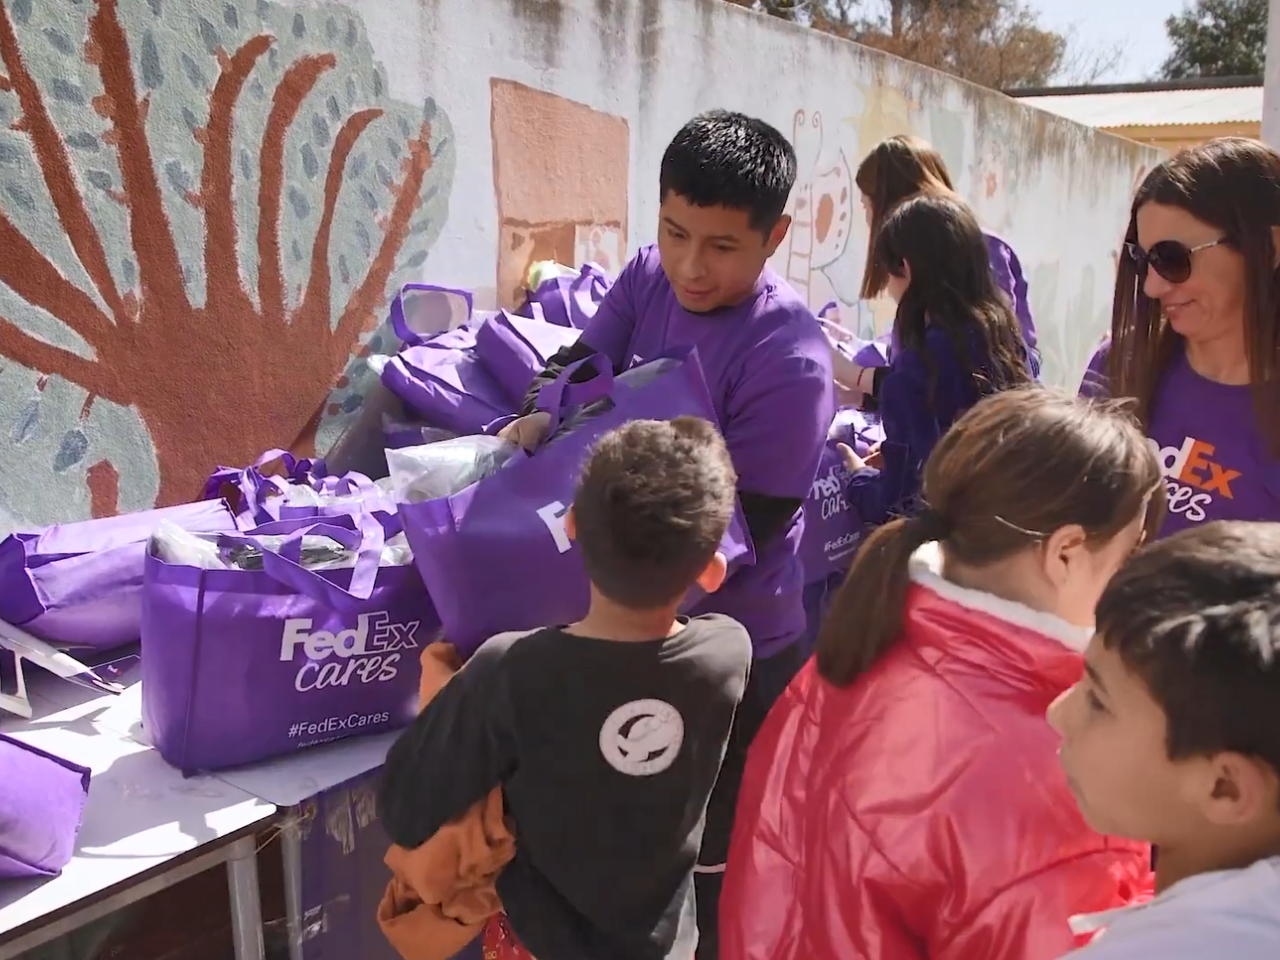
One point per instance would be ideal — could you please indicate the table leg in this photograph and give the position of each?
(291, 851)
(246, 900)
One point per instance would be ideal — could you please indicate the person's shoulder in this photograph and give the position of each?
(646, 266)
(784, 308)
(1172, 934)
(722, 646)
(720, 632)
(501, 647)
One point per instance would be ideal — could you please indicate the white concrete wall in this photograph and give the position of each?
(544, 122)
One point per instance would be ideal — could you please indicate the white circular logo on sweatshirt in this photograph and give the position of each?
(642, 737)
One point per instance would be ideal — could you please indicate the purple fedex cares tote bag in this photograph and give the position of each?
(243, 664)
(495, 556)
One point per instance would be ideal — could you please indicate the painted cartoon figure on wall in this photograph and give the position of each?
(203, 208)
(822, 210)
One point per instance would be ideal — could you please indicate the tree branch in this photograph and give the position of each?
(298, 81)
(56, 169)
(30, 274)
(161, 283)
(314, 311)
(217, 183)
(360, 307)
(20, 347)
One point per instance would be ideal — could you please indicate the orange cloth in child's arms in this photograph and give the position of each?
(442, 893)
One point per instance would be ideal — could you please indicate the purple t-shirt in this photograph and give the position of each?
(1214, 458)
(769, 371)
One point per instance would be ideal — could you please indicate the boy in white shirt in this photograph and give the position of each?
(1173, 737)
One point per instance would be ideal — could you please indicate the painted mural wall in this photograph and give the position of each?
(205, 206)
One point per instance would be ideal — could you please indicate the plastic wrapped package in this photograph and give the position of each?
(436, 470)
(174, 545)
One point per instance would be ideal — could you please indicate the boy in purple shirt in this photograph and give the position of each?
(724, 184)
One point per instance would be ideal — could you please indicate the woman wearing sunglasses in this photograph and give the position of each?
(1195, 330)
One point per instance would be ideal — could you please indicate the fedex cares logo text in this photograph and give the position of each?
(828, 490)
(369, 653)
(1194, 479)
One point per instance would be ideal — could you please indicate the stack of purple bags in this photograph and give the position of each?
(465, 373)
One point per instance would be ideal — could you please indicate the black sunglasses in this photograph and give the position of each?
(1170, 259)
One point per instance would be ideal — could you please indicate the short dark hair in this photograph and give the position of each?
(1197, 618)
(723, 159)
(1017, 466)
(653, 503)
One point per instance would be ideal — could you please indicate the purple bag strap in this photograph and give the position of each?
(400, 323)
(349, 484)
(365, 536)
(560, 396)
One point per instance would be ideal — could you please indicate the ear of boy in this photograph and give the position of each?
(779, 233)
(1237, 791)
(710, 580)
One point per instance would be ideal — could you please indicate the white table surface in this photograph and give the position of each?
(283, 781)
(141, 813)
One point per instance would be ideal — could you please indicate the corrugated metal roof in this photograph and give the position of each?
(1156, 108)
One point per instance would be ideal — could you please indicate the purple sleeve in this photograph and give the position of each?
(1007, 269)
(1095, 382)
(609, 330)
(777, 421)
(911, 432)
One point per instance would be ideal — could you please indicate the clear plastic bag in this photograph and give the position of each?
(209, 551)
(436, 470)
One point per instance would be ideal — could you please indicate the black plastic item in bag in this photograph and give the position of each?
(633, 379)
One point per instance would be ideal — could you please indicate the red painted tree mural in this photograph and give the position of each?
(247, 368)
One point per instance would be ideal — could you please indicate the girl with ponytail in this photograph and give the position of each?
(903, 800)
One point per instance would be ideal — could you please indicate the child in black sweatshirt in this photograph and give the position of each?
(606, 735)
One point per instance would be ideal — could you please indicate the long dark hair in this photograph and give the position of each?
(1232, 184)
(895, 169)
(952, 287)
(1016, 467)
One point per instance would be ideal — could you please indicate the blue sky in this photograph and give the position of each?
(1137, 24)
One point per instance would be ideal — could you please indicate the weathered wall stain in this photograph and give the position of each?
(202, 213)
(203, 224)
(560, 180)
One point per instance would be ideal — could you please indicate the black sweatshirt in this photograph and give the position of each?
(607, 753)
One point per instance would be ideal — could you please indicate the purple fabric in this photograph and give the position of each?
(1007, 269)
(42, 799)
(239, 665)
(444, 382)
(259, 498)
(495, 556)
(768, 368)
(1211, 446)
(248, 490)
(832, 527)
(81, 583)
(515, 349)
(569, 301)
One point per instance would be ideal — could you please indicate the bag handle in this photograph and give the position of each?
(363, 534)
(559, 396)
